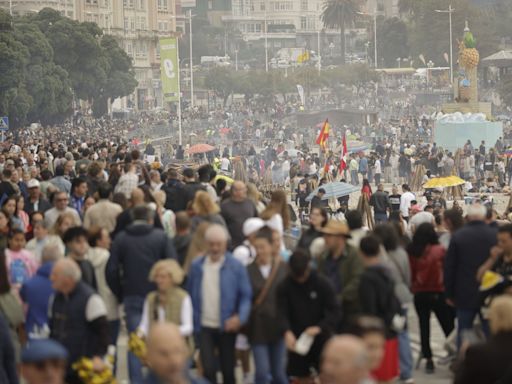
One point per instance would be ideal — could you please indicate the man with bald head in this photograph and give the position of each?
(344, 361)
(125, 218)
(236, 210)
(78, 317)
(167, 356)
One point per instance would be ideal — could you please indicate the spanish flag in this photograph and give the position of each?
(324, 135)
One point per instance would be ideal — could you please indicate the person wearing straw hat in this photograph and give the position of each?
(341, 265)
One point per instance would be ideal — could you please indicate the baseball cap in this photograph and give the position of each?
(43, 349)
(252, 225)
(33, 183)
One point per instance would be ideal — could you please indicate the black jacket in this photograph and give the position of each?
(380, 202)
(489, 363)
(43, 206)
(190, 190)
(308, 304)
(7, 356)
(307, 238)
(469, 249)
(377, 295)
(133, 254)
(125, 219)
(175, 192)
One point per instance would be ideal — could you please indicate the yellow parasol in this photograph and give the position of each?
(444, 182)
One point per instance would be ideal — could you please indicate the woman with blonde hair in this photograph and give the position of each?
(278, 205)
(65, 221)
(491, 362)
(205, 210)
(197, 245)
(255, 196)
(167, 217)
(169, 303)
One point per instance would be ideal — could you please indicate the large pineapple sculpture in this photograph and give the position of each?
(468, 63)
(468, 56)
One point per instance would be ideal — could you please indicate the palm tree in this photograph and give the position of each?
(340, 14)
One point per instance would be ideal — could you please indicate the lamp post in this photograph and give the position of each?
(430, 65)
(398, 60)
(191, 65)
(374, 15)
(449, 11)
(318, 53)
(189, 16)
(266, 38)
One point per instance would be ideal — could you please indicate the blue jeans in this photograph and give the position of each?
(381, 218)
(405, 352)
(354, 178)
(465, 320)
(133, 306)
(269, 361)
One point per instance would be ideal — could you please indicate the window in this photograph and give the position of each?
(262, 6)
(163, 26)
(142, 4)
(141, 22)
(311, 23)
(126, 23)
(304, 5)
(162, 5)
(302, 22)
(132, 23)
(210, 4)
(142, 49)
(128, 3)
(129, 48)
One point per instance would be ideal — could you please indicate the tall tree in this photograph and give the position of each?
(392, 40)
(340, 14)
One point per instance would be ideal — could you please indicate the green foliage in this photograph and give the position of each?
(47, 59)
(391, 40)
(340, 14)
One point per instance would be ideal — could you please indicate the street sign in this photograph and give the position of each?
(4, 123)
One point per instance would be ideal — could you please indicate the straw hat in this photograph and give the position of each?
(336, 228)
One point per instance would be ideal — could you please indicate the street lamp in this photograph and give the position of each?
(331, 47)
(266, 38)
(189, 16)
(430, 65)
(374, 15)
(449, 11)
(398, 60)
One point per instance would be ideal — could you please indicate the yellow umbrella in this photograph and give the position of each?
(228, 179)
(444, 182)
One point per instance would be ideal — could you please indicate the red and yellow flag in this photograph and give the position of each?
(324, 135)
(343, 162)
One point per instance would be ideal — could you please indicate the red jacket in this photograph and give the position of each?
(427, 270)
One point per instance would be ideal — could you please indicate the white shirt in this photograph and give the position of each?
(186, 326)
(210, 306)
(405, 203)
(95, 308)
(378, 168)
(224, 164)
(265, 270)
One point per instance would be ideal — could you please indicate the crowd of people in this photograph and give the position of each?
(96, 240)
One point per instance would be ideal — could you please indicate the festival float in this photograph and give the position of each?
(466, 118)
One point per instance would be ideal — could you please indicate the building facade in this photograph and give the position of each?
(136, 24)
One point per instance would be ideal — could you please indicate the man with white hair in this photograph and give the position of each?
(78, 317)
(344, 361)
(469, 248)
(221, 297)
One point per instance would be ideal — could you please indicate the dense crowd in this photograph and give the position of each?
(207, 272)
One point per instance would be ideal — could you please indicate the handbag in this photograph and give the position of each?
(266, 288)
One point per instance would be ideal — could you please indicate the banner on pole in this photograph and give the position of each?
(169, 69)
